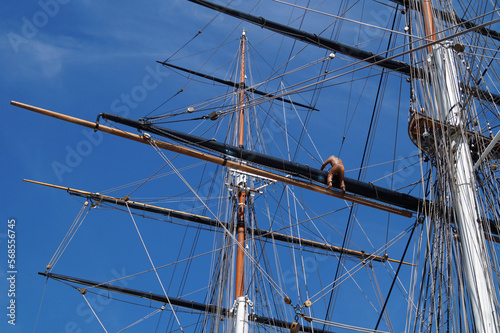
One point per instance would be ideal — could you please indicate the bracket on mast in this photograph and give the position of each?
(242, 179)
(240, 308)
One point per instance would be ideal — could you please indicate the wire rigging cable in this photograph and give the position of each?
(245, 251)
(154, 267)
(69, 235)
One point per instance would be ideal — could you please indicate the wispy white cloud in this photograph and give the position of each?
(39, 57)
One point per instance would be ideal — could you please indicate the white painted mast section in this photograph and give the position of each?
(474, 252)
(241, 306)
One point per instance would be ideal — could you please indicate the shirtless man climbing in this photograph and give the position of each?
(337, 169)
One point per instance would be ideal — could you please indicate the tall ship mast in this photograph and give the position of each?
(448, 107)
(349, 184)
(241, 189)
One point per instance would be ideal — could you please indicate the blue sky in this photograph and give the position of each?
(77, 58)
(83, 58)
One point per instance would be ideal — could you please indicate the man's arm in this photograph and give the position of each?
(325, 163)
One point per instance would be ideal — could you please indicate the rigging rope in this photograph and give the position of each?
(268, 277)
(366, 154)
(394, 280)
(82, 292)
(322, 293)
(41, 302)
(69, 235)
(154, 267)
(149, 315)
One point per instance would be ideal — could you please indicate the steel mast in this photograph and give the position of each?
(446, 92)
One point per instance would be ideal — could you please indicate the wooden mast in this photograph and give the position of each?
(241, 300)
(240, 226)
(430, 28)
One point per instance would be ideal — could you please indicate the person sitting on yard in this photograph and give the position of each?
(337, 169)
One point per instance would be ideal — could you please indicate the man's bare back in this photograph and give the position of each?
(337, 169)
